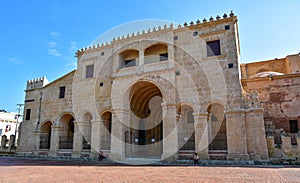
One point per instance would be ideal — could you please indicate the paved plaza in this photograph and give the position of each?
(29, 170)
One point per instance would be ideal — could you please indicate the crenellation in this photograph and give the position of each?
(158, 29)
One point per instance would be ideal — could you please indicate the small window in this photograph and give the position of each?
(230, 65)
(294, 126)
(213, 48)
(227, 27)
(62, 91)
(28, 111)
(195, 33)
(163, 56)
(175, 38)
(101, 84)
(102, 53)
(129, 63)
(89, 71)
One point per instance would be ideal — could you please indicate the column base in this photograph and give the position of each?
(237, 157)
(76, 154)
(52, 154)
(203, 156)
(116, 157)
(169, 157)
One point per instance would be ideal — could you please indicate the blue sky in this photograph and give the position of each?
(40, 38)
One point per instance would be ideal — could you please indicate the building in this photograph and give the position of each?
(158, 94)
(8, 128)
(278, 85)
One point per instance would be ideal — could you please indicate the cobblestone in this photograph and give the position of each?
(29, 170)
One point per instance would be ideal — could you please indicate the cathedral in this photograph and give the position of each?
(163, 94)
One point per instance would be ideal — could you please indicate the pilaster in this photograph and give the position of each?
(170, 133)
(236, 135)
(201, 134)
(54, 142)
(119, 118)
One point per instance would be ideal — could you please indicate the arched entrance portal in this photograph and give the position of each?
(144, 137)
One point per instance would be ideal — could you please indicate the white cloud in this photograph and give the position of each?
(15, 60)
(54, 52)
(54, 34)
(52, 44)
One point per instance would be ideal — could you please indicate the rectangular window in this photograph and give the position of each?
(129, 63)
(62, 91)
(28, 111)
(294, 126)
(0, 132)
(89, 71)
(213, 48)
(163, 56)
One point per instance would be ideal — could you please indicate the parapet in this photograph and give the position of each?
(158, 29)
(37, 83)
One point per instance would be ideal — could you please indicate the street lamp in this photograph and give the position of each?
(17, 116)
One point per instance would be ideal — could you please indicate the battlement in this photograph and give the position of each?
(37, 83)
(166, 27)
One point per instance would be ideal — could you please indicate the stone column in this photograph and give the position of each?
(141, 57)
(37, 143)
(54, 142)
(95, 137)
(236, 135)
(79, 128)
(201, 134)
(256, 136)
(119, 118)
(170, 133)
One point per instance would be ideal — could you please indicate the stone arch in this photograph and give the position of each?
(128, 58)
(66, 136)
(156, 53)
(217, 126)
(186, 131)
(145, 128)
(262, 70)
(45, 134)
(106, 118)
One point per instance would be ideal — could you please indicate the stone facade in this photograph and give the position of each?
(160, 94)
(277, 83)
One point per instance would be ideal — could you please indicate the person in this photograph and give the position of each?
(101, 156)
(196, 158)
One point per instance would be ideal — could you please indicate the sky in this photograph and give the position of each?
(40, 38)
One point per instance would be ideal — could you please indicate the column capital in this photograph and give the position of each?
(235, 112)
(201, 114)
(168, 105)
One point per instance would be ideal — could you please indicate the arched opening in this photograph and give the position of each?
(106, 132)
(45, 135)
(186, 138)
(156, 53)
(144, 138)
(67, 132)
(217, 132)
(87, 131)
(128, 58)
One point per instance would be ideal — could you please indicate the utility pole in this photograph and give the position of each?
(17, 116)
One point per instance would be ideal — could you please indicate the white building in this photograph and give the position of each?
(8, 124)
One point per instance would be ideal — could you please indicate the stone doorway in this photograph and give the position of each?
(144, 136)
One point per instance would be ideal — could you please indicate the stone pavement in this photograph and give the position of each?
(30, 170)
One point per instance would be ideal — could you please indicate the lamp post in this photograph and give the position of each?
(17, 116)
